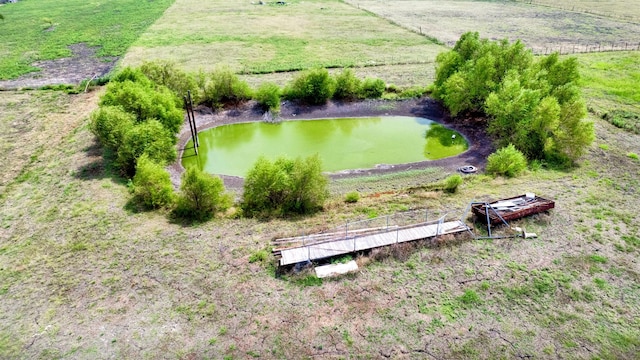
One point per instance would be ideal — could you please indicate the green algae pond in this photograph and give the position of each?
(342, 144)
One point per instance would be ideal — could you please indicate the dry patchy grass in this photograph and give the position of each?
(539, 27)
(621, 9)
(83, 278)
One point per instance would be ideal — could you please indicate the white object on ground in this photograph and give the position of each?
(336, 269)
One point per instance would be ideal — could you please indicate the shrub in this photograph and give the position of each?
(413, 92)
(507, 161)
(313, 86)
(167, 73)
(149, 137)
(109, 124)
(145, 103)
(224, 87)
(284, 186)
(352, 197)
(259, 256)
(633, 156)
(347, 85)
(372, 88)
(132, 74)
(452, 182)
(202, 195)
(152, 185)
(268, 96)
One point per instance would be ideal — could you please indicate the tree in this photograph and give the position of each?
(202, 195)
(507, 161)
(534, 105)
(150, 138)
(313, 87)
(145, 102)
(224, 87)
(152, 184)
(109, 124)
(268, 96)
(284, 186)
(347, 85)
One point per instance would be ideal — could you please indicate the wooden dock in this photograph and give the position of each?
(358, 241)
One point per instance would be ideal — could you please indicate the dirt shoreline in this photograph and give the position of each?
(480, 145)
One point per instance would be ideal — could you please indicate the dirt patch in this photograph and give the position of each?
(473, 129)
(82, 65)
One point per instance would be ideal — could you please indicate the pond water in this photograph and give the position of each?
(348, 143)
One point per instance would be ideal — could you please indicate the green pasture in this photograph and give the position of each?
(42, 30)
(610, 85)
(254, 38)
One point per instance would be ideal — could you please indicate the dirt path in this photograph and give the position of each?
(82, 65)
(479, 144)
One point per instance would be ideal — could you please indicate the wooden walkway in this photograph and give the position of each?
(357, 242)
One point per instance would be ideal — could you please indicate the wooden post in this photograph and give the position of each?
(193, 118)
(193, 137)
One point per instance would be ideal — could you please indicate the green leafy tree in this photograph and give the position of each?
(534, 105)
(202, 195)
(347, 85)
(152, 184)
(150, 138)
(145, 103)
(268, 96)
(224, 87)
(313, 87)
(109, 124)
(132, 74)
(284, 186)
(507, 161)
(372, 88)
(168, 73)
(308, 186)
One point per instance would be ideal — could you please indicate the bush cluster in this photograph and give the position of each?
(136, 117)
(507, 161)
(284, 186)
(313, 87)
(152, 185)
(202, 195)
(535, 105)
(223, 87)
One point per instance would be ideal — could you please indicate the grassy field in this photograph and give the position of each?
(628, 10)
(611, 84)
(540, 27)
(83, 276)
(254, 38)
(43, 30)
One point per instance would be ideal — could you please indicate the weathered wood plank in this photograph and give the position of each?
(368, 241)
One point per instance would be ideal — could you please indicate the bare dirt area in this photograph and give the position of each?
(83, 65)
(473, 129)
(541, 28)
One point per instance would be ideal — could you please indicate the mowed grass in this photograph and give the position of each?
(253, 38)
(540, 27)
(43, 30)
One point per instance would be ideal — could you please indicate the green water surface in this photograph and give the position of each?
(349, 143)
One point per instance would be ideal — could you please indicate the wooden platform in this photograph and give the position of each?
(358, 242)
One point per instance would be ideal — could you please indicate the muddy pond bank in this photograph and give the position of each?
(473, 129)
